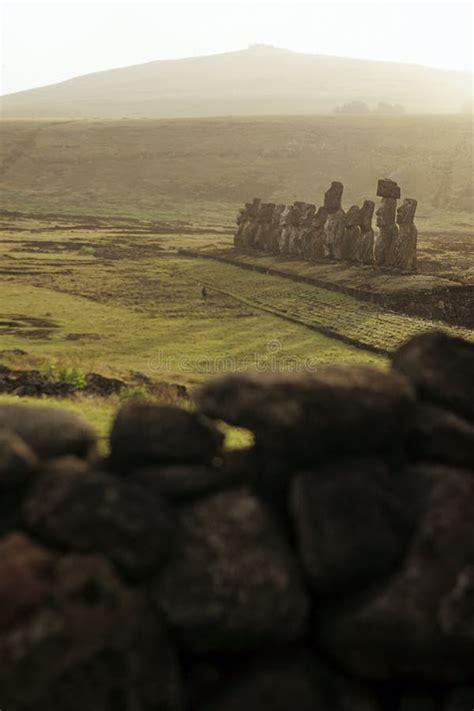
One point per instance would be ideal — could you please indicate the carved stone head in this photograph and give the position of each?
(333, 196)
(277, 213)
(406, 211)
(296, 212)
(266, 211)
(352, 216)
(386, 212)
(366, 213)
(308, 213)
(285, 216)
(320, 217)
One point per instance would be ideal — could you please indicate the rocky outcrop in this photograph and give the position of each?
(307, 232)
(329, 566)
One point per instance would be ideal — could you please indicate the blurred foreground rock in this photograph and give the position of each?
(329, 567)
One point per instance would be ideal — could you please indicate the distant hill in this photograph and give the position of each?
(141, 167)
(260, 80)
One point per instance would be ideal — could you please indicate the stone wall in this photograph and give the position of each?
(328, 232)
(328, 567)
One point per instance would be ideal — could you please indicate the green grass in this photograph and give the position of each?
(201, 169)
(184, 340)
(340, 314)
(134, 306)
(82, 201)
(100, 413)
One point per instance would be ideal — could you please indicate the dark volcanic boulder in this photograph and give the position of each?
(144, 433)
(297, 682)
(460, 699)
(24, 584)
(418, 702)
(182, 482)
(442, 370)
(56, 612)
(456, 612)
(438, 435)
(17, 461)
(353, 520)
(95, 513)
(418, 624)
(304, 417)
(233, 584)
(48, 431)
(18, 464)
(136, 669)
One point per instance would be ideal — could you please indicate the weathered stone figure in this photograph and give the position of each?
(351, 241)
(264, 221)
(275, 229)
(334, 235)
(365, 253)
(407, 236)
(387, 237)
(303, 231)
(246, 223)
(333, 197)
(284, 235)
(317, 235)
(309, 211)
(294, 244)
(335, 223)
(244, 218)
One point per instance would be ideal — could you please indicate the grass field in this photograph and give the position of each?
(200, 169)
(115, 297)
(315, 307)
(94, 298)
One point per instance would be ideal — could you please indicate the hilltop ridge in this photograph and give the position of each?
(259, 80)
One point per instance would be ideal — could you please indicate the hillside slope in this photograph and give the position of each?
(139, 167)
(257, 81)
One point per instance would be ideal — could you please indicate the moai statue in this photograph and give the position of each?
(387, 237)
(366, 243)
(251, 224)
(351, 241)
(309, 211)
(335, 223)
(275, 230)
(245, 220)
(294, 244)
(317, 235)
(242, 218)
(264, 220)
(407, 236)
(285, 223)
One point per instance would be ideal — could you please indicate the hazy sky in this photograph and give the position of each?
(45, 42)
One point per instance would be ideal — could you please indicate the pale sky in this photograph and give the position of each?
(47, 42)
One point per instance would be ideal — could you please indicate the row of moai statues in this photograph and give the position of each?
(328, 232)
